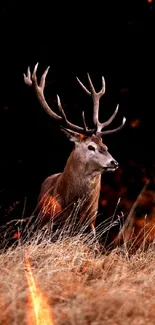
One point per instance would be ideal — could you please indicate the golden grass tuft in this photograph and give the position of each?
(81, 288)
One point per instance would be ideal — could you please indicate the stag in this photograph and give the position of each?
(81, 178)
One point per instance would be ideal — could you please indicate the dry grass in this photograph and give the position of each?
(81, 288)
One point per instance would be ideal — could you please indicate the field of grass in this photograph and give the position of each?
(81, 287)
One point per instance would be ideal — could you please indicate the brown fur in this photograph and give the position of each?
(60, 192)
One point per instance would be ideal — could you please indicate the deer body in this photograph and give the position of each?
(87, 193)
(81, 179)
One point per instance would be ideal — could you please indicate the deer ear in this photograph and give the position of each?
(72, 135)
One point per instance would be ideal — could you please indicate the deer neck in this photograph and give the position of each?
(77, 180)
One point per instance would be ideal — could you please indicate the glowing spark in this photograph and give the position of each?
(16, 235)
(39, 311)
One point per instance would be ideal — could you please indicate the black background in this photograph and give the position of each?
(114, 39)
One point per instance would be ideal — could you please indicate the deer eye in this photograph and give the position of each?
(91, 148)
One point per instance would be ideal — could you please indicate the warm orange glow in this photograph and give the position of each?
(82, 136)
(104, 202)
(39, 311)
(16, 235)
(135, 123)
(50, 205)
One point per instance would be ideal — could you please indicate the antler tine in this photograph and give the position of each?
(84, 122)
(113, 130)
(43, 78)
(82, 85)
(93, 92)
(39, 90)
(104, 124)
(27, 78)
(95, 96)
(71, 125)
(60, 108)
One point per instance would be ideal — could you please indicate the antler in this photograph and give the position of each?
(39, 90)
(96, 99)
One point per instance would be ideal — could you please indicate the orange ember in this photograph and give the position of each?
(39, 312)
(16, 235)
(135, 123)
(82, 136)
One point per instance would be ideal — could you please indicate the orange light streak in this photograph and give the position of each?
(38, 311)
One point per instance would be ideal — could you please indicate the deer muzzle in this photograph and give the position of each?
(113, 165)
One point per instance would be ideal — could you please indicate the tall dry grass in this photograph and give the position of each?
(82, 287)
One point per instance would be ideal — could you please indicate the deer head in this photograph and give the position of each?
(89, 148)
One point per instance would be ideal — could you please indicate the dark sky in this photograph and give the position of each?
(112, 38)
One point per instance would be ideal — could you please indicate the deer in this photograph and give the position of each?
(81, 178)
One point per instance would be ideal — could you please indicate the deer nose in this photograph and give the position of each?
(114, 163)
